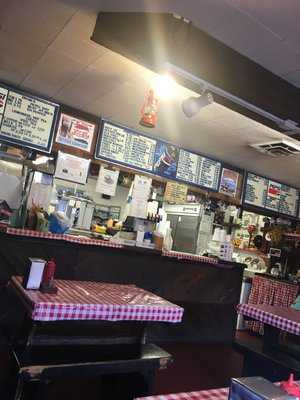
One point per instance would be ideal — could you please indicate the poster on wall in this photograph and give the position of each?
(27, 120)
(72, 168)
(107, 181)
(229, 182)
(75, 132)
(166, 160)
(175, 193)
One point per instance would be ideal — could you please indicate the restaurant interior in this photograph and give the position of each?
(149, 200)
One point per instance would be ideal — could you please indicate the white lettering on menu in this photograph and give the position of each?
(27, 120)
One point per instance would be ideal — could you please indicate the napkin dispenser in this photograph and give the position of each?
(255, 388)
(34, 273)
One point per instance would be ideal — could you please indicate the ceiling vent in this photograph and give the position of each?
(278, 148)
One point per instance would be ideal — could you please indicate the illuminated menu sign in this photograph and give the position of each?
(198, 170)
(271, 195)
(121, 145)
(124, 146)
(26, 120)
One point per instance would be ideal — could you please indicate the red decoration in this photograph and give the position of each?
(291, 387)
(149, 110)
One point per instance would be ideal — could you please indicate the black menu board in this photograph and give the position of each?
(123, 146)
(271, 195)
(26, 120)
(127, 147)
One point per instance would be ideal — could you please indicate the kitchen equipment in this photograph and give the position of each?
(184, 222)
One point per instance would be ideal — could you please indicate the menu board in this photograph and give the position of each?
(288, 200)
(271, 195)
(198, 170)
(26, 120)
(256, 190)
(121, 145)
(209, 173)
(124, 146)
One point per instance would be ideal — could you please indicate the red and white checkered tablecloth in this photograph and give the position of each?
(283, 318)
(187, 256)
(213, 394)
(268, 291)
(83, 300)
(68, 238)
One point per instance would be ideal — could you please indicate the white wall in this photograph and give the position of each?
(118, 200)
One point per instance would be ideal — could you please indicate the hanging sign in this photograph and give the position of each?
(75, 132)
(26, 120)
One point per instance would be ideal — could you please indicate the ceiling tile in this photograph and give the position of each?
(87, 87)
(77, 48)
(53, 71)
(18, 55)
(280, 17)
(39, 22)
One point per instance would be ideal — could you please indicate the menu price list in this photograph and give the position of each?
(256, 190)
(198, 170)
(288, 200)
(271, 195)
(118, 144)
(27, 120)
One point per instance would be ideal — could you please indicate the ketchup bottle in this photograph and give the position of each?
(49, 271)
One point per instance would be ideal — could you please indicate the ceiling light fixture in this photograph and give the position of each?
(164, 86)
(291, 126)
(193, 105)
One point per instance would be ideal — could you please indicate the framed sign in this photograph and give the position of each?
(229, 182)
(72, 168)
(27, 120)
(75, 132)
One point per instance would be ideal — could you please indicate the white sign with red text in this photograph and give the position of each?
(75, 132)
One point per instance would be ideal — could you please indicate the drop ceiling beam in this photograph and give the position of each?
(153, 39)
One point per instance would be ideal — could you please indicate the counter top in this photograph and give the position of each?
(110, 243)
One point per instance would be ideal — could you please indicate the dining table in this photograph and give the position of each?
(212, 394)
(90, 313)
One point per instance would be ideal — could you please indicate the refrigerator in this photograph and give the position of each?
(184, 222)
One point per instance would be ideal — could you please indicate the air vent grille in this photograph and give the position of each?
(279, 148)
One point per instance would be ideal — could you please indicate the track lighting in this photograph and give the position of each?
(193, 105)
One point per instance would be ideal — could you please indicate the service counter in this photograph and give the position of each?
(207, 290)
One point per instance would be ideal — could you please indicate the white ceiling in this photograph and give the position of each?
(45, 47)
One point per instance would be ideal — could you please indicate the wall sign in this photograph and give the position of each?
(75, 132)
(124, 146)
(271, 195)
(26, 120)
(175, 193)
(72, 168)
(229, 182)
(107, 181)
